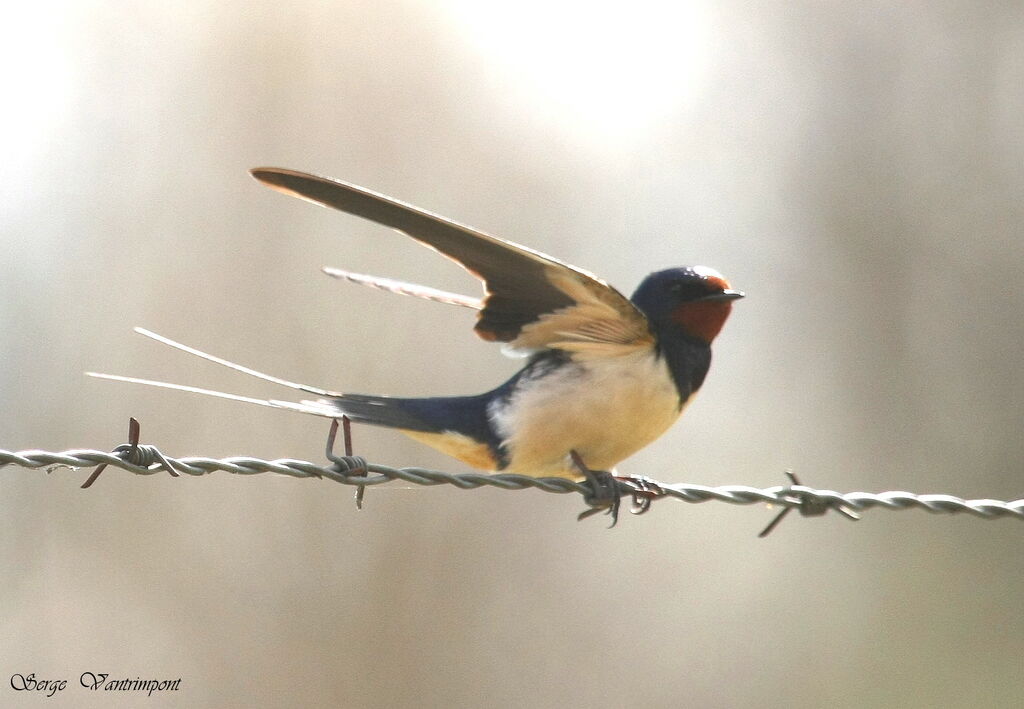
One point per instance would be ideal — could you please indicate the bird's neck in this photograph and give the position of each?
(687, 356)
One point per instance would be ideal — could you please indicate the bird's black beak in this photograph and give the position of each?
(728, 294)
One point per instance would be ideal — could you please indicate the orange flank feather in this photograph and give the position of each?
(472, 453)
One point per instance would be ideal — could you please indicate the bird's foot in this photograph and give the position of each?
(603, 495)
(643, 490)
(606, 491)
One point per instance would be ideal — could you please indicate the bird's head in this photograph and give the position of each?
(693, 299)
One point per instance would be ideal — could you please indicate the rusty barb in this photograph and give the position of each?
(138, 455)
(601, 490)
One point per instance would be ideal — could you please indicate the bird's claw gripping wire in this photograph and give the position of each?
(644, 491)
(605, 491)
(136, 454)
(347, 465)
(809, 506)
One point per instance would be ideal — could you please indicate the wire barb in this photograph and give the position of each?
(810, 505)
(140, 459)
(348, 465)
(132, 452)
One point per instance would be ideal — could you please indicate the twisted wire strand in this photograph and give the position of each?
(352, 470)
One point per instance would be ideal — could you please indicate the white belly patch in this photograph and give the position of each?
(605, 409)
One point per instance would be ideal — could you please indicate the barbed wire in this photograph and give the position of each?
(142, 459)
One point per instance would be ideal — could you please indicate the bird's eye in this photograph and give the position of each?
(685, 290)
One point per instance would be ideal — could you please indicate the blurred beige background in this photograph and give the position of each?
(857, 168)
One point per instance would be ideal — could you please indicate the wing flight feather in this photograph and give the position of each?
(532, 301)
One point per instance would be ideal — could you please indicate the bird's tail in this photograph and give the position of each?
(458, 425)
(376, 410)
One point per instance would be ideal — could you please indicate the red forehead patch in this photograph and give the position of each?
(718, 282)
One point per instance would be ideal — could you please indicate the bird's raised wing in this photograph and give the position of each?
(531, 301)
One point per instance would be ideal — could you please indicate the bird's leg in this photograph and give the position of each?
(604, 491)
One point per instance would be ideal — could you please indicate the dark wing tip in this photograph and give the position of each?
(311, 188)
(262, 173)
(277, 176)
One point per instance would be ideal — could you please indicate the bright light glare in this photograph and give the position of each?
(611, 68)
(36, 81)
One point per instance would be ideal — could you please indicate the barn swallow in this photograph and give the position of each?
(604, 375)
